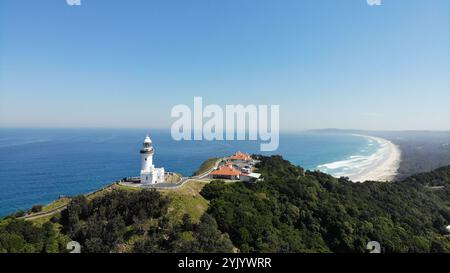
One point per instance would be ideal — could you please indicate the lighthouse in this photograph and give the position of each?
(149, 174)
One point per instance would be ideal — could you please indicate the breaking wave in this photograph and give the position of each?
(357, 164)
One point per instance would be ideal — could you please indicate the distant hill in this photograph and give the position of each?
(437, 178)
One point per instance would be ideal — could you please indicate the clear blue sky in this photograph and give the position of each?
(125, 63)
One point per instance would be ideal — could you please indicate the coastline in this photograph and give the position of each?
(385, 168)
(16, 194)
(382, 165)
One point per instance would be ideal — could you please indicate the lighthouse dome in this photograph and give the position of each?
(147, 147)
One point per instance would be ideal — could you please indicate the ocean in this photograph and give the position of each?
(39, 165)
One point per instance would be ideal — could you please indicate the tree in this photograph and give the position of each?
(297, 211)
(209, 238)
(36, 208)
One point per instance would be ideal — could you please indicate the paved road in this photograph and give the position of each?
(162, 186)
(183, 180)
(44, 214)
(57, 209)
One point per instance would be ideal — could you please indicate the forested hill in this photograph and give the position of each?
(436, 178)
(292, 210)
(297, 211)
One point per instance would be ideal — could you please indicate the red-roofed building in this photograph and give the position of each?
(240, 157)
(225, 172)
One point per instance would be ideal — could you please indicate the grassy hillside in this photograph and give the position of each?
(187, 200)
(290, 211)
(207, 165)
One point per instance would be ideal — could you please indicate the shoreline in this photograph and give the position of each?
(382, 165)
(385, 169)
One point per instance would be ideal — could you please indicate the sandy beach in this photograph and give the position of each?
(382, 165)
(386, 163)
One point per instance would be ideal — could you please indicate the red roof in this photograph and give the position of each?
(226, 170)
(240, 156)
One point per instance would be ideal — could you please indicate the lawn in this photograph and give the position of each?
(187, 199)
(56, 204)
(207, 165)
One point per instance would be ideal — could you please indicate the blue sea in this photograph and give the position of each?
(39, 165)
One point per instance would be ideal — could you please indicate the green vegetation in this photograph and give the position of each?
(186, 237)
(20, 236)
(123, 220)
(99, 225)
(36, 208)
(40, 221)
(20, 213)
(56, 204)
(292, 211)
(173, 178)
(207, 165)
(186, 200)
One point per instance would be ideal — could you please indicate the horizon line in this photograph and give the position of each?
(168, 128)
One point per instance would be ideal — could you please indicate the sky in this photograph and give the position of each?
(126, 63)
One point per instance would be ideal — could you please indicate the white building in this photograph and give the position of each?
(250, 177)
(149, 174)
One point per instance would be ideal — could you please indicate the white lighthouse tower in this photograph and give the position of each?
(149, 174)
